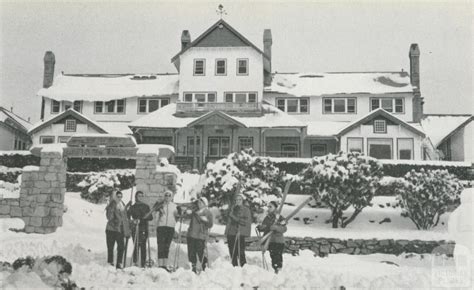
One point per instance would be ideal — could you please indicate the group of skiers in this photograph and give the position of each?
(127, 220)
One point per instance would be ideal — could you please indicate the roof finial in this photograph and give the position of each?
(220, 10)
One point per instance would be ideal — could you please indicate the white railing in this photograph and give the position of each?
(227, 107)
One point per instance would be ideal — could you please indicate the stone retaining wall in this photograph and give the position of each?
(41, 200)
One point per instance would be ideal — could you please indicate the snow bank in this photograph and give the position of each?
(14, 152)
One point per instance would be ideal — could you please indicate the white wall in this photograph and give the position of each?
(220, 84)
(363, 106)
(130, 114)
(393, 132)
(7, 141)
(461, 144)
(57, 130)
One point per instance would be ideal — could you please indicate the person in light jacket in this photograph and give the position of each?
(165, 220)
(237, 230)
(117, 228)
(198, 233)
(277, 241)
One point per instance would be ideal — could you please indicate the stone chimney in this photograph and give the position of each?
(418, 102)
(267, 50)
(48, 76)
(185, 39)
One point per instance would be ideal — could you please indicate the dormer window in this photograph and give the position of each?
(55, 107)
(199, 67)
(77, 106)
(380, 126)
(242, 67)
(221, 67)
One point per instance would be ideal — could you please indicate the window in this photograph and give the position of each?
(392, 105)
(380, 126)
(110, 107)
(46, 139)
(221, 67)
(218, 146)
(405, 148)
(242, 67)
(55, 107)
(151, 105)
(295, 105)
(245, 143)
(339, 105)
(165, 140)
(77, 106)
(66, 105)
(15, 144)
(380, 148)
(355, 144)
(319, 150)
(70, 125)
(240, 97)
(201, 97)
(289, 150)
(63, 139)
(191, 146)
(199, 67)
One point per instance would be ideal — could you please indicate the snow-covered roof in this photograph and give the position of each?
(41, 124)
(439, 127)
(117, 128)
(316, 84)
(5, 114)
(165, 118)
(325, 128)
(109, 87)
(381, 112)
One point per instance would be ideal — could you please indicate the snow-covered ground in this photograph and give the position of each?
(81, 240)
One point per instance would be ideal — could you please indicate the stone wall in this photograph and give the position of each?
(41, 200)
(153, 179)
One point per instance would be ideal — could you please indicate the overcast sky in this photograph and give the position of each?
(141, 37)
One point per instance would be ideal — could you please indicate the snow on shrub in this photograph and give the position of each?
(342, 181)
(257, 178)
(426, 195)
(9, 174)
(98, 186)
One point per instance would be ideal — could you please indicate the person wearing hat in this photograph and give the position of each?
(165, 220)
(277, 242)
(117, 228)
(237, 229)
(198, 233)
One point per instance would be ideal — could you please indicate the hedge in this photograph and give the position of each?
(97, 165)
(19, 160)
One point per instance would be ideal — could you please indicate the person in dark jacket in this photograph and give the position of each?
(237, 229)
(117, 228)
(277, 241)
(198, 233)
(140, 214)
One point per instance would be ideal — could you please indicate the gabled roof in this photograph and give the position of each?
(165, 118)
(210, 30)
(223, 117)
(19, 121)
(317, 84)
(380, 113)
(69, 112)
(109, 87)
(440, 127)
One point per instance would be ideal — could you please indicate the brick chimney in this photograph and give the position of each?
(267, 50)
(185, 39)
(418, 102)
(48, 76)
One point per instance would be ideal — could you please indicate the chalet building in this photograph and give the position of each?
(13, 131)
(225, 97)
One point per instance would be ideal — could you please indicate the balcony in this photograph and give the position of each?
(184, 107)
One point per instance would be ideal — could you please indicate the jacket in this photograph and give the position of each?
(167, 215)
(277, 228)
(117, 219)
(137, 212)
(240, 220)
(201, 222)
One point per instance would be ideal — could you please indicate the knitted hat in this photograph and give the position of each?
(274, 203)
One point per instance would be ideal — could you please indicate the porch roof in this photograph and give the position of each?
(165, 118)
(325, 128)
(441, 127)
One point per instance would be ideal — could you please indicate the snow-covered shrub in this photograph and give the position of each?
(257, 178)
(342, 181)
(426, 195)
(10, 174)
(389, 186)
(97, 186)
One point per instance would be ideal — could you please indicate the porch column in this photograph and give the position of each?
(195, 163)
(260, 142)
(232, 147)
(201, 159)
